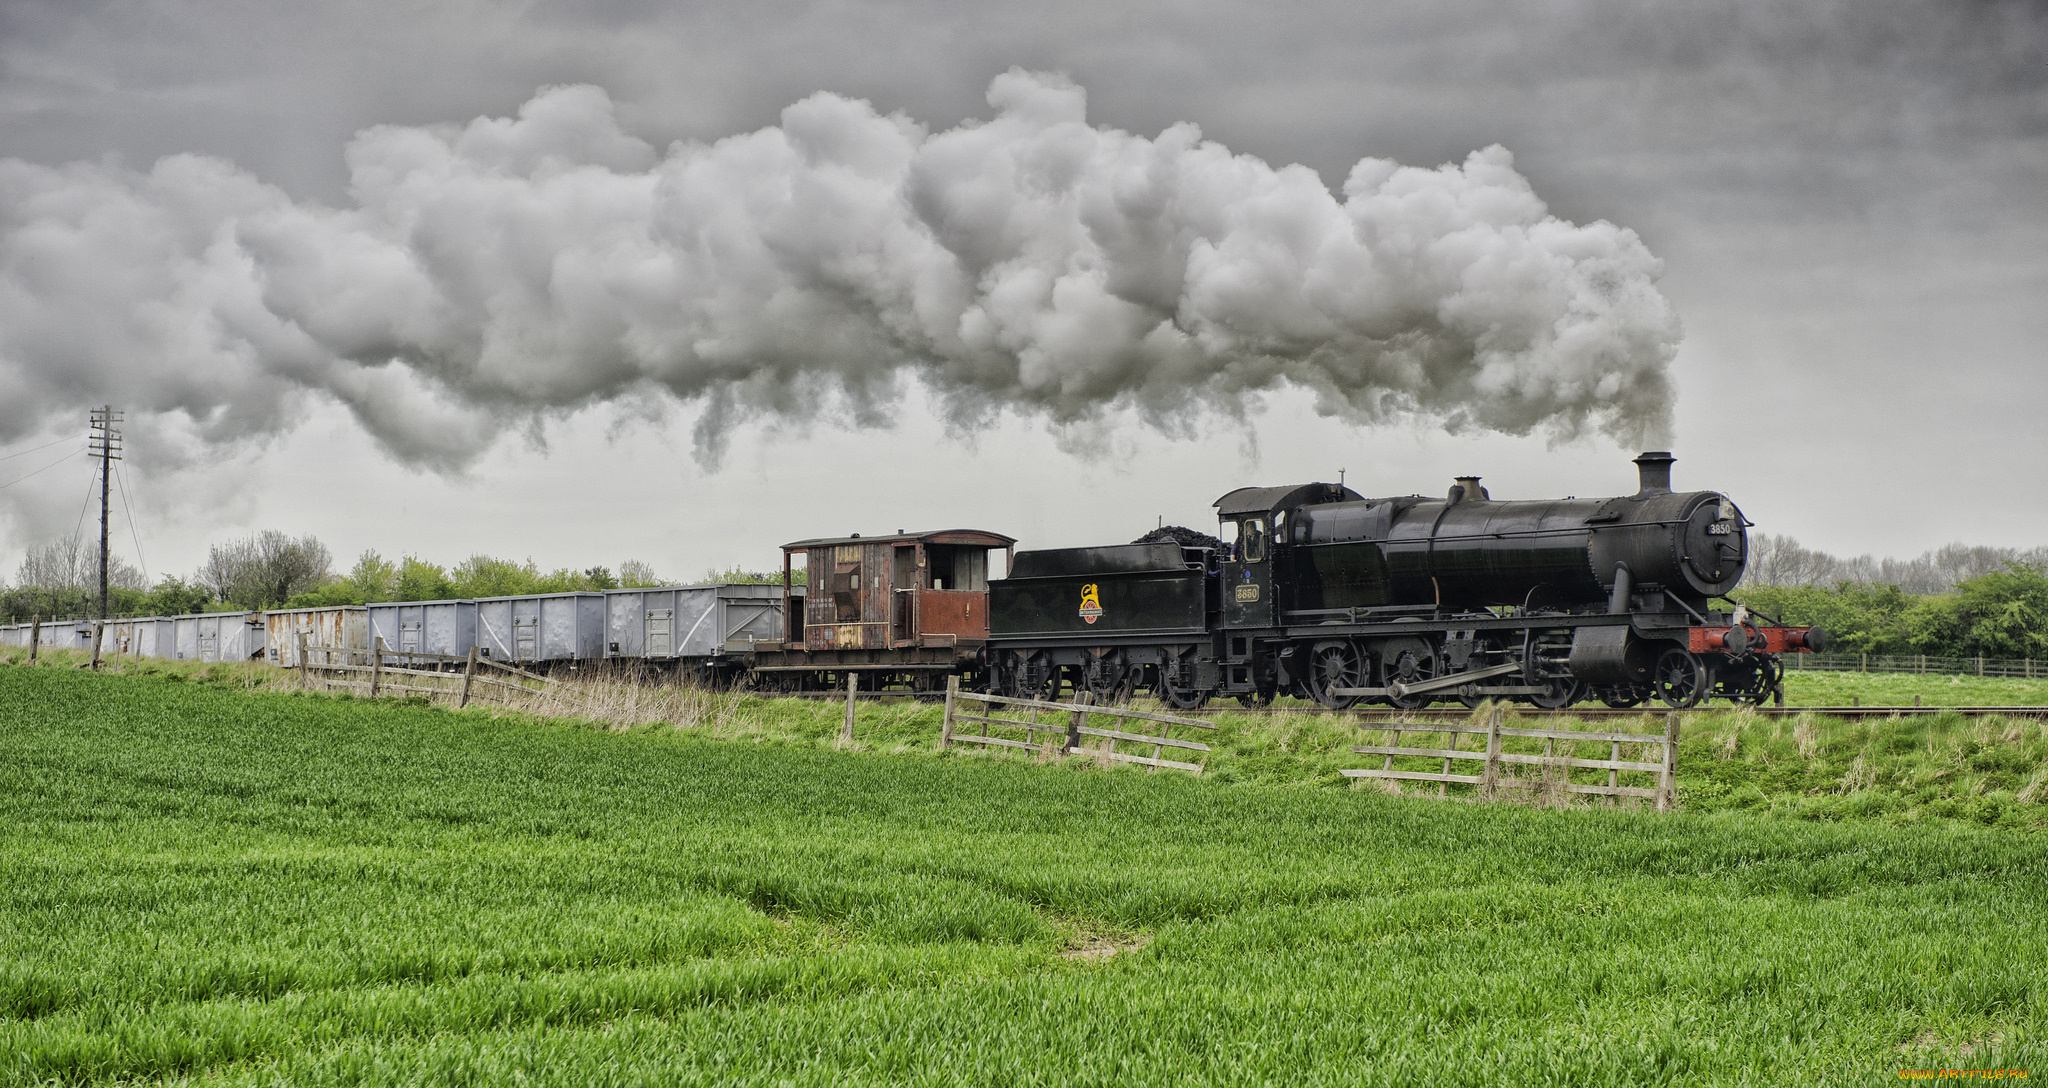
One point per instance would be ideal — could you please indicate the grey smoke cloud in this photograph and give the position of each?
(484, 274)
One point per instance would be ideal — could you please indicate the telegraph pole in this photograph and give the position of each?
(105, 444)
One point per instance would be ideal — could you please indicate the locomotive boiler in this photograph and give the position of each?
(1327, 594)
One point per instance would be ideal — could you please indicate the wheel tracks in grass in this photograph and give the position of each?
(106, 1041)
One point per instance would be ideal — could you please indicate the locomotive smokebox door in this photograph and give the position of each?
(1248, 574)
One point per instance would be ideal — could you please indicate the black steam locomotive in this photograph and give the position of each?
(1322, 593)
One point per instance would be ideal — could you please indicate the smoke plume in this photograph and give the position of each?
(495, 272)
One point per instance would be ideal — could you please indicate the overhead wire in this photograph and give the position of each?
(78, 533)
(44, 446)
(121, 478)
(40, 471)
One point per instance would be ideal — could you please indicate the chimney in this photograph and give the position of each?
(1655, 469)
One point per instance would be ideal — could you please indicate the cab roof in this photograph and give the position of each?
(1263, 500)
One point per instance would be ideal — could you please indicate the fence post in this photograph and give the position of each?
(35, 637)
(377, 667)
(1078, 718)
(1865, 665)
(852, 685)
(1980, 664)
(468, 677)
(1667, 782)
(1490, 782)
(946, 726)
(99, 635)
(305, 664)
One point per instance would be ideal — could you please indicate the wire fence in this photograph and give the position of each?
(2029, 668)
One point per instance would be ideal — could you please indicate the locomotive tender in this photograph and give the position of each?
(1326, 594)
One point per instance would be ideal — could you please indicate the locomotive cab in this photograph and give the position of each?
(1255, 524)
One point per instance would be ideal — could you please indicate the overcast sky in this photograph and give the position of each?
(1843, 205)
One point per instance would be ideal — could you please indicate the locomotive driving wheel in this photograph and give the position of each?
(1681, 679)
(1558, 692)
(1409, 661)
(1333, 665)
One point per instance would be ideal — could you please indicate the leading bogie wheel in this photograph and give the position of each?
(1681, 679)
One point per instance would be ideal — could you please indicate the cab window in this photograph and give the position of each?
(1252, 540)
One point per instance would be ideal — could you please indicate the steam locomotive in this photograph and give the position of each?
(1322, 593)
(1312, 590)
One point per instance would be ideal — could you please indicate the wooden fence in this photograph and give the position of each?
(358, 670)
(1068, 731)
(1557, 768)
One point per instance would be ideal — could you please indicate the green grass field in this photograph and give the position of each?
(1901, 688)
(210, 885)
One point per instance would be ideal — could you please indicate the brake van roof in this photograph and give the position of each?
(934, 536)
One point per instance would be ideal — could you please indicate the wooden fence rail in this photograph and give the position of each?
(319, 662)
(1492, 758)
(1066, 733)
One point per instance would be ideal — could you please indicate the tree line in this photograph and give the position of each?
(1955, 601)
(272, 569)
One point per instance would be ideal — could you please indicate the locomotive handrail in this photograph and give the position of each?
(1688, 608)
(1514, 533)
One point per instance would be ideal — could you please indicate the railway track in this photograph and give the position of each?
(1446, 713)
(1601, 713)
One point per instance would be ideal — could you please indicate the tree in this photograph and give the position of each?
(2007, 612)
(484, 576)
(172, 597)
(714, 576)
(633, 574)
(600, 578)
(73, 563)
(63, 577)
(373, 578)
(265, 570)
(341, 591)
(419, 580)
